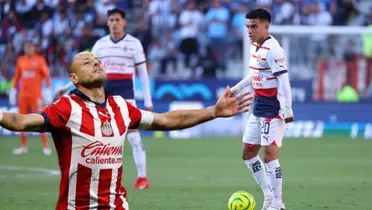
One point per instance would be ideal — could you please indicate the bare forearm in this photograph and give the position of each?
(180, 119)
(10, 121)
(20, 122)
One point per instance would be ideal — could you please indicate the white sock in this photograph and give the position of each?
(259, 173)
(274, 172)
(139, 153)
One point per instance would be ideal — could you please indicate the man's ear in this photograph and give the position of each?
(74, 79)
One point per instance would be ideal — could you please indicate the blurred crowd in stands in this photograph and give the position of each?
(197, 36)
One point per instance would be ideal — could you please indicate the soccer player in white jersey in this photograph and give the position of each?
(121, 54)
(89, 127)
(272, 109)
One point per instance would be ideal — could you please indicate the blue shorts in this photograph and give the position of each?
(123, 88)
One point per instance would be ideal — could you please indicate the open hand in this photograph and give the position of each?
(228, 106)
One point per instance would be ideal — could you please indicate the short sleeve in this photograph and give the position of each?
(139, 54)
(57, 114)
(134, 116)
(276, 59)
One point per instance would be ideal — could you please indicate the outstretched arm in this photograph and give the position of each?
(226, 106)
(21, 122)
(180, 119)
(242, 84)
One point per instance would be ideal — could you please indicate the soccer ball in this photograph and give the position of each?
(242, 200)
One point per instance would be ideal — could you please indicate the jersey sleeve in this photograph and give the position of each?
(45, 72)
(57, 114)
(277, 61)
(139, 55)
(247, 81)
(134, 116)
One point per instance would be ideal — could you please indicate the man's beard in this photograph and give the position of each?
(94, 83)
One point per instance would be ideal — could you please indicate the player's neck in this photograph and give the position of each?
(259, 42)
(94, 94)
(117, 36)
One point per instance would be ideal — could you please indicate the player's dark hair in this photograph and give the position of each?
(116, 11)
(260, 14)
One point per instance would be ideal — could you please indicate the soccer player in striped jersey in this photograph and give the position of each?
(272, 109)
(121, 54)
(89, 128)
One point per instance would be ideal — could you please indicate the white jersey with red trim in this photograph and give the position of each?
(89, 139)
(267, 61)
(119, 58)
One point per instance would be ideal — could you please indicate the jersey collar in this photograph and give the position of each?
(259, 46)
(118, 39)
(85, 97)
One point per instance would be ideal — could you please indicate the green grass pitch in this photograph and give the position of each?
(328, 173)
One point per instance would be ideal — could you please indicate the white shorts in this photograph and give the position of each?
(264, 131)
(132, 101)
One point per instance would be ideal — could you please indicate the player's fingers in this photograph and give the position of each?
(243, 110)
(227, 91)
(243, 101)
(246, 99)
(246, 104)
(240, 96)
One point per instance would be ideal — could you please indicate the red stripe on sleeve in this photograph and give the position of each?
(59, 112)
(134, 115)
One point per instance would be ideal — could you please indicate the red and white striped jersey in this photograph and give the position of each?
(119, 58)
(267, 61)
(89, 139)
